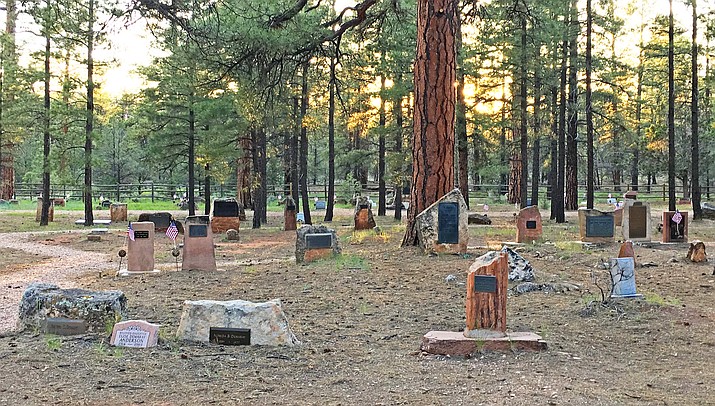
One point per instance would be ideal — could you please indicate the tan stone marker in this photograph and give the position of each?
(118, 212)
(140, 252)
(50, 212)
(487, 284)
(198, 253)
(528, 224)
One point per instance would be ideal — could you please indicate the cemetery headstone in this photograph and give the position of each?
(62, 326)
(50, 212)
(118, 212)
(58, 201)
(363, 214)
(140, 250)
(675, 226)
(596, 225)
(232, 235)
(528, 224)
(618, 216)
(487, 286)
(626, 251)
(230, 336)
(636, 221)
(161, 220)
(266, 321)
(198, 253)
(696, 252)
(43, 301)
(289, 214)
(623, 278)
(94, 237)
(315, 242)
(443, 226)
(631, 194)
(225, 216)
(135, 334)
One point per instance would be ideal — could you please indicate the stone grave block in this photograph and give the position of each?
(44, 301)
(289, 215)
(315, 242)
(118, 212)
(225, 216)
(232, 235)
(623, 278)
(528, 224)
(135, 334)
(266, 322)
(675, 231)
(161, 220)
(363, 214)
(442, 227)
(487, 285)
(50, 212)
(198, 253)
(696, 252)
(631, 194)
(140, 252)
(596, 225)
(636, 221)
(94, 237)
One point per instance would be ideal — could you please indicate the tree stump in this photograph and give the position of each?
(487, 284)
(697, 253)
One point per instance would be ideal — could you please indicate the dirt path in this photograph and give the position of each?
(63, 267)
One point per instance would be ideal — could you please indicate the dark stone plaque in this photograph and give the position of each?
(599, 226)
(531, 224)
(64, 327)
(230, 336)
(448, 223)
(364, 206)
(321, 240)
(485, 283)
(199, 230)
(637, 221)
(161, 220)
(225, 208)
(320, 205)
(141, 234)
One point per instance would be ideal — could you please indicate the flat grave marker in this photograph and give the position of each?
(64, 326)
(230, 336)
(135, 334)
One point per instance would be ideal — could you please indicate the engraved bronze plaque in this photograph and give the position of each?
(637, 221)
(599, 226)
(531, 224)
(141, 234)
(199, 230)
(230, 336)
(485, 283)
(320, 240)
(64, 327)
(448, 223)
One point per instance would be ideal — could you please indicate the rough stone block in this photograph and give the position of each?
(364, 219)
(528, 224)
(303, 253)
(223, 224)
(456, 344)
(232, 235)
(268, 323)
(696, 252)
(118, 212)
(98, 309)
(428, 226)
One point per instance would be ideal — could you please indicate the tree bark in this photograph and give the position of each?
(461, 117)
(331, 142)
(304, 145)
(381, 187)
(558, 195)
(536, 158)
(694, 141)
(89, 121)
(671, 114)
(434, 112)
(524, 139)
(589, 109)
(398, 151)
(9, 65)
(294, 146)
(243, 172)
(45, 211)
(207, 189)
(572, 151)
(192, 155)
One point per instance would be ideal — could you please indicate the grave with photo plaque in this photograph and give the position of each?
(487, 285)
(225, 216)
(289, 218)
(675, 226)
(528, 224)
(140, 252)
(443, 226)
(198, 252)
(636, 221)
(596, 226)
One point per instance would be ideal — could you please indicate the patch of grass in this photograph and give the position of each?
(351, 261)
(53, 342)
(658, 300)
(569, 246)
(105, 350)
(358, 237)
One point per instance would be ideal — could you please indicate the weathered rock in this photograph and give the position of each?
(98, 309)
(519, 268)
(562, 287)
(696, 252)
(626, 251)
(431, 238)
(268, 323)
(363, 214)
(475, 218)
(303, 253)
(232, 235)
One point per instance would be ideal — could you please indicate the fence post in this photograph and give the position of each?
(152, 191)
(663, 191)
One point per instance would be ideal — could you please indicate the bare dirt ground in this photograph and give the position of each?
(361, 318)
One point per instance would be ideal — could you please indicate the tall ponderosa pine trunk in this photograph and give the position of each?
(671, 114)
(381, 186)
(461, 123)
(192, 154)
(243, 172)
(695, 147)
(258, 138)
(207, 189)
(524, 139)
(9, 67)
(433, 142)
(639, 114)
(89, 121)
(398, 151)
(589, 109)
(331, 142)
(536, 157)
(45, 211)
(304, 144)
(558, 196)
(572, 151)
(294, 146)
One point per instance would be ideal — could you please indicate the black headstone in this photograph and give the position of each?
(321, 240)
(599, 226)
(531, 224)
(485, 283)
(161, 220)
(230, 336)
(225, 208)
(448, 223)
(141, 234)
(198, 230)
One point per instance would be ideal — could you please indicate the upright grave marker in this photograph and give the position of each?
(363, 214)
(118, 212)
(50, 212)
(161, 220)
(636, 221)
(289, 218)
(596, 225)
(443, 226)
(623, 278)
(675, 226)
(315, 242)
(528, 224)
(225, 216)
(198, 253)
(140, 248)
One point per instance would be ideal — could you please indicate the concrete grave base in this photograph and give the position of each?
(128, 273)
(455, 343)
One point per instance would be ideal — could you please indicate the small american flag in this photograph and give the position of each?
(130, 232)
(677, 217)
(172, 231)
